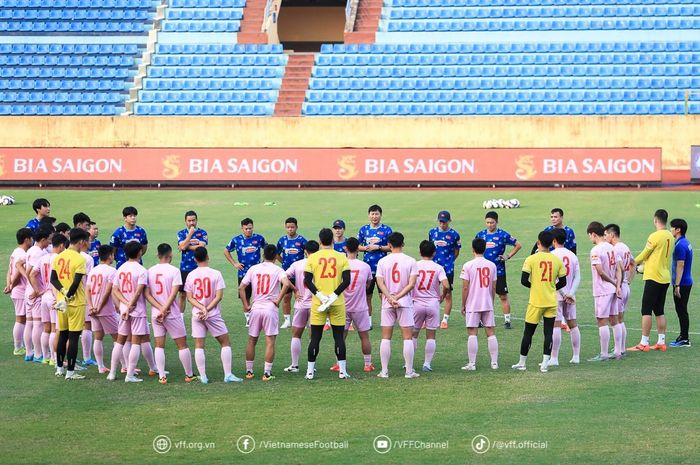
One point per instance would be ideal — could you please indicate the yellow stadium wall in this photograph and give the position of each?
(674, 134)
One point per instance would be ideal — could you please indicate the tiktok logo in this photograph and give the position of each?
(481, 444)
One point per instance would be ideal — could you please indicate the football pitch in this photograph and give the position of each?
(640, 410)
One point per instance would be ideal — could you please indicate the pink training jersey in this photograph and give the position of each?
(162, 278)
(203, 283)
(397, 269)
(296, 271)
(604, 255)
(97, 280)
(17, 255)
(44, 267)
(34, 255)
(128, 278)
(356, 292)
(481, 274)
(571, 265)
(624, 253)
(428, 286)
(264, 280)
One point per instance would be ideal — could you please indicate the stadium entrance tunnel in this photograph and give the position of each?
(304, 25)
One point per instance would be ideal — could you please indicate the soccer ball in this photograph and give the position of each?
(7, 200)
(515, 203)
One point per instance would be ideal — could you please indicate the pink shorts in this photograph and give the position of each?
(621, 304)
(301, 317)
(603, 305)
(428, 313)
(20, 309)
(109, 324)
(124, 327)
(360, 319)
(139, 326)
(173, 326)
(264, 320)
(565, 311)
(402, 315)
(54, 316)
(47, 302)
(485, 318)
(214, 324)
(33, 308)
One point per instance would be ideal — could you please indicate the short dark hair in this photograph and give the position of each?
(661, 215)
(479, 246)
(164, 249)
(546, 238)
(47, 220)
(190, 213)
(132, 249)
(557, 210)
(80, 218)
(130, 211)
(39, 203)
(270, 252)
(374, 208)
(59, 240)
(247, 221)
(352, 244)
(680, 223)
(559, 235)
(427, 248)
(201, 254)
(292, 220)
(595, 227)
(613, 228)
(76, 235)
(325, 236)
(43, 233)
(62, 227)
(312, 246)
(105, 251)
(396, 239)
(492, 214)
(23, 234)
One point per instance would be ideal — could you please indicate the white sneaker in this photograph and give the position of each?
(74, 376)
(60, 372)
(494, 366)
(342, 375)
(411, 375)
(469, 367)
(232, 379)
(111, 377)
(309, 375)
(575, 360)
(132, 379)
(381, 374)
(292, 369)
(554, 362)
(285, 325)
(518, 366)
(79, 368)
(544, 367)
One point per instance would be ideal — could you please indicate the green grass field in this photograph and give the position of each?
(643, 409)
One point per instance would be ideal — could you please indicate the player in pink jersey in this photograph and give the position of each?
(264, 279)
(101, 304)
(15, 284)
(396, 277)
(302, 304)
(205, 289)
(478, 291)
(612, 235)
(566, 299)
(356, 308)
(128, 287)
(607, 277)
(40, 278)
(86, 335)
(431, 288)
(164, 282)
(32, 296)
(48, 313)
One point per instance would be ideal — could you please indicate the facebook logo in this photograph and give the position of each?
(245, 444)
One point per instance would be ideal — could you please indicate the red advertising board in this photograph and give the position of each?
(454, 165)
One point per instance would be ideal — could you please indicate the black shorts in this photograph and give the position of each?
(184, 275)
(248, 289)
(451, 280)
(654, 297)
(372, 284)
(501, 285)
